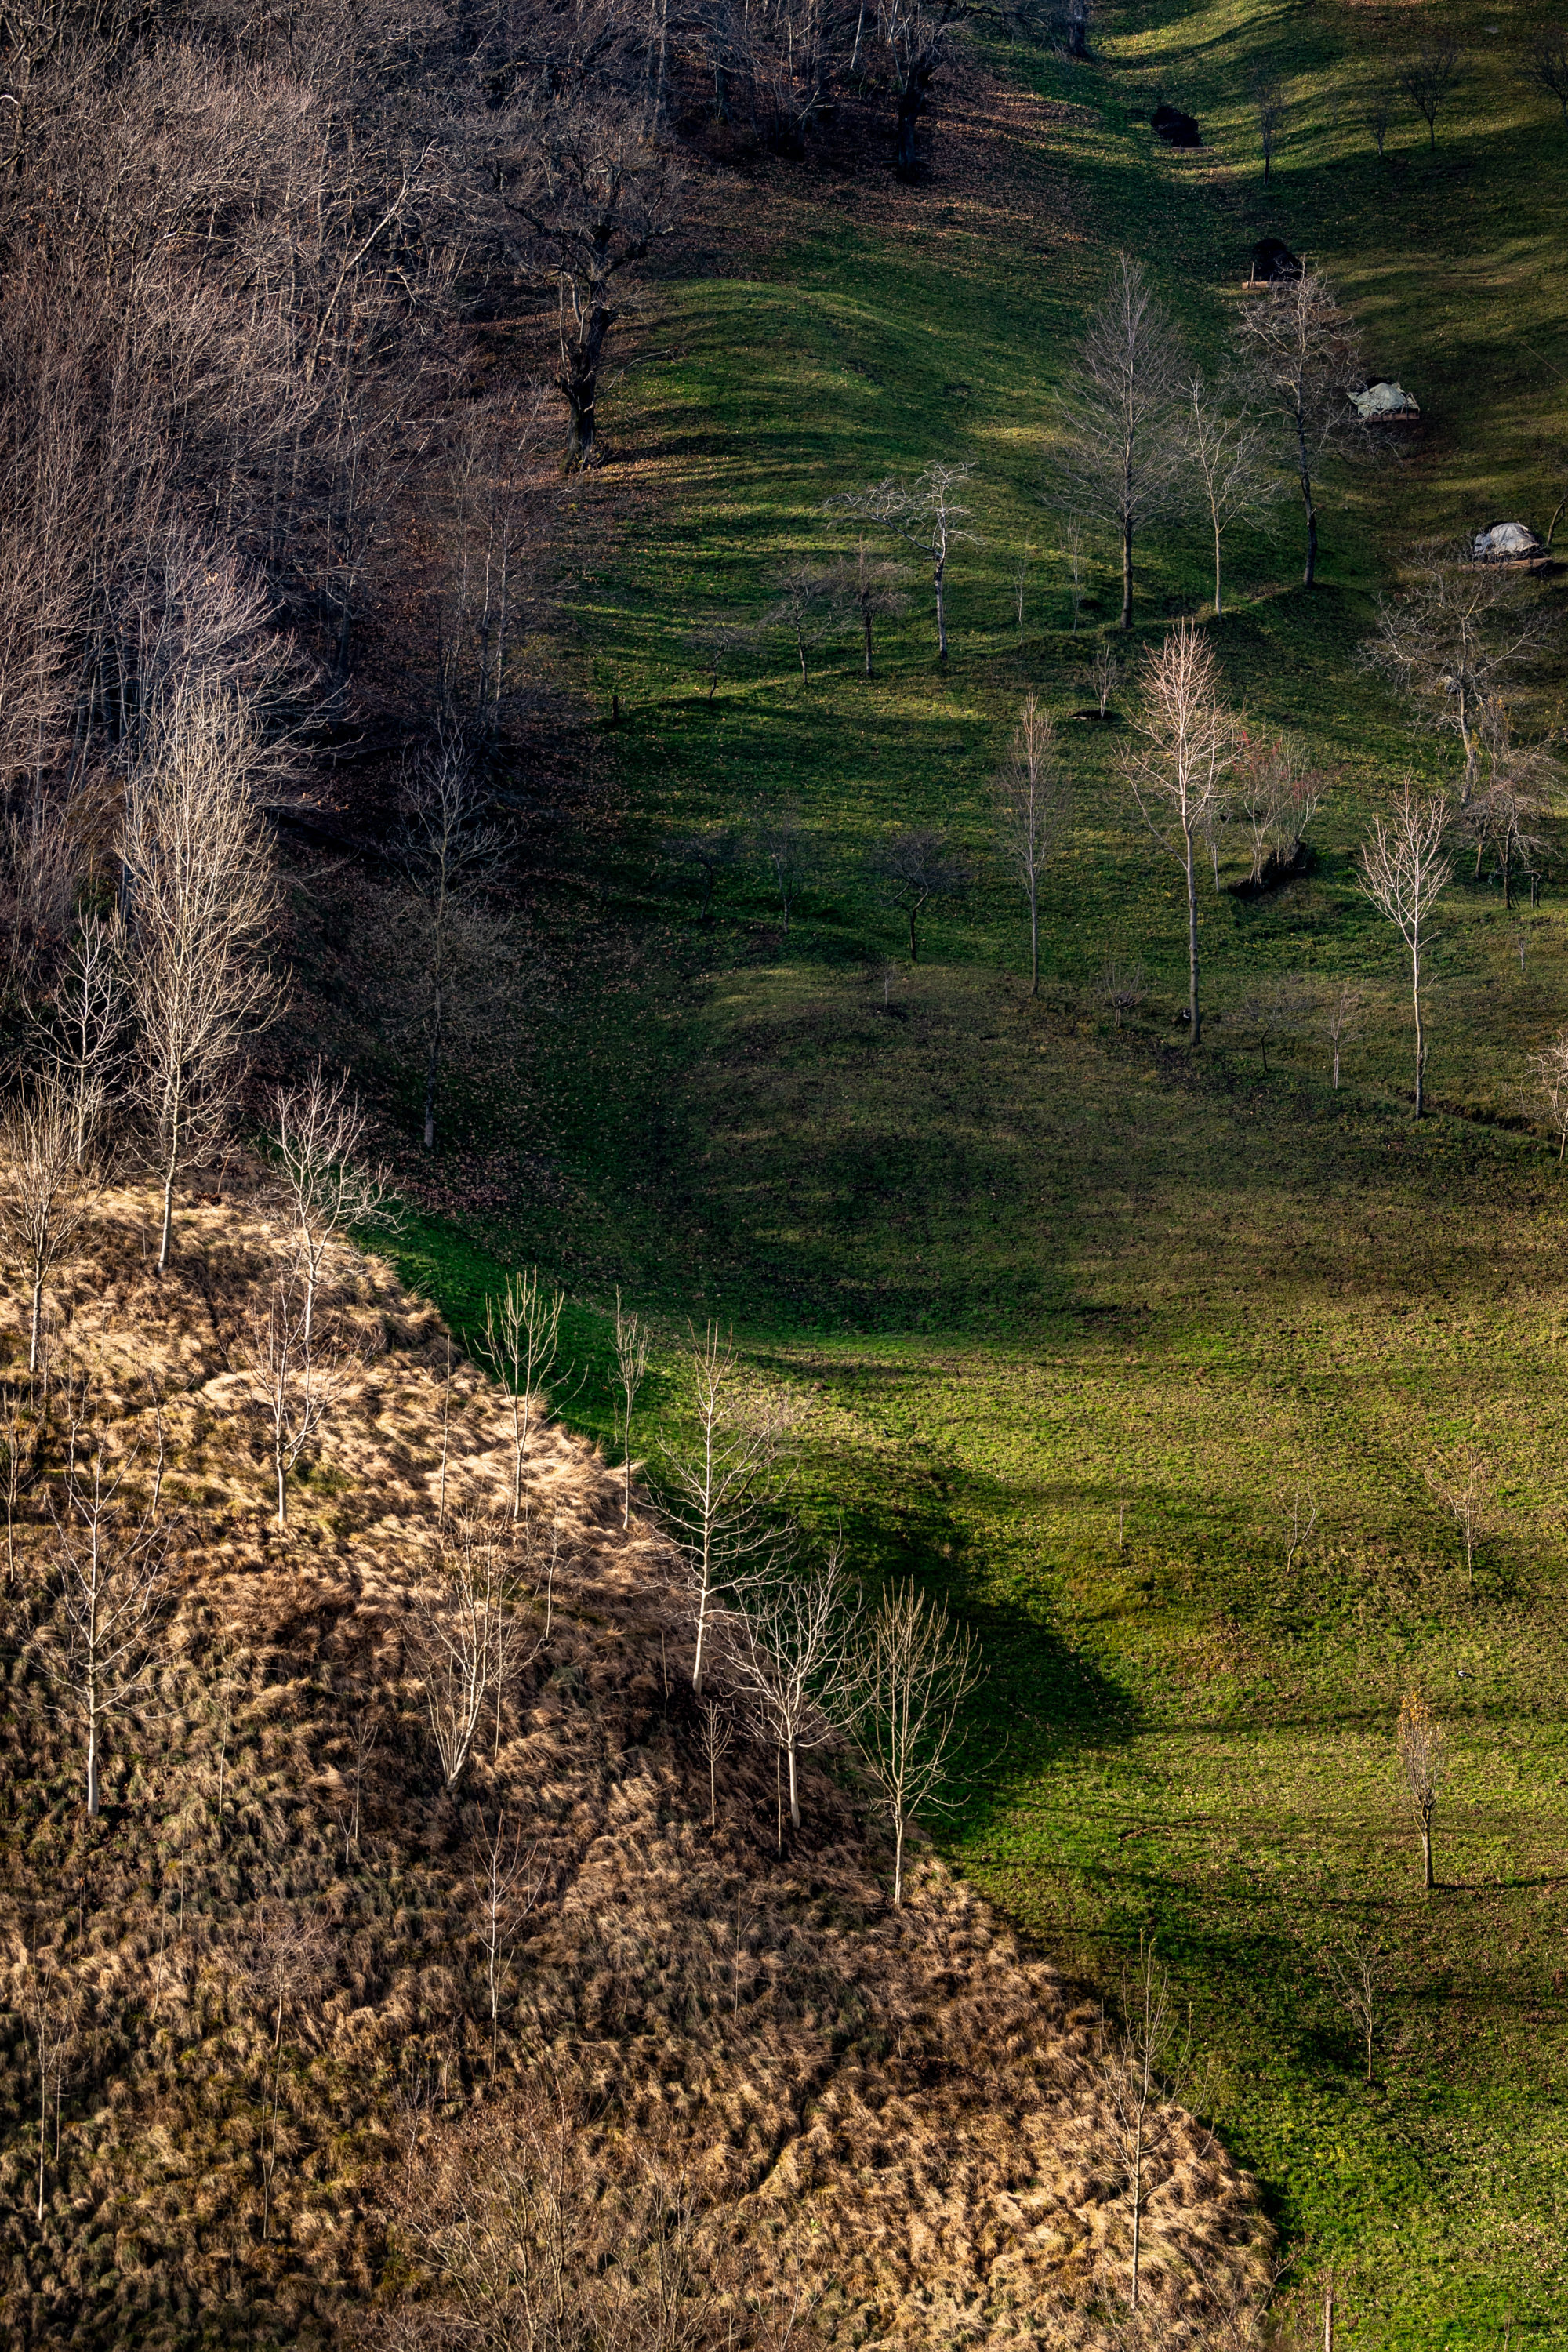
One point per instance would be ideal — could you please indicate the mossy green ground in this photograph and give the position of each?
(1025, 1269)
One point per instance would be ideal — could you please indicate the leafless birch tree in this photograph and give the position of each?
(103, 1644)
(1177, 774)
(1422, 1745)
(926, 513)
(1342, 1009)
(1223, 444)
(199, 895)
(1117, 457)
(1140, 2054)
(1464, 1490)
(721, 1485)
(907, 1676)
(46, 1194)
(1305, 354)
(1404, 870)
(1429, 79)
(523, 1345)
(454, 1636)
(88, 1048)
(634, 1347)
(785, 1642)
(1029, 798)
(298, 1378)
(318, 1129)
(505, 1882)
(1357, 1974)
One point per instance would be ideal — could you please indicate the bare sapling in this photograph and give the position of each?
(286, 1957)
(1404, 870)
(715, 1737)
(1544, 67)
(298, 1379)
(633, 1344)
(88, 1046)
(47, 1193)
(450, 856)
(1342, 1009)
(1305, 353)
(505, 1882)
(455, 1634)
(1029, 798)
(1549, 1068)
(1123, 983)
(1105, 672)
(1269, 107)
(873, 588)
(1422, 1746)
(1466, 1489)
(1177, 773)
(200, 898)
(785, 1642)
(1278, 793)
(1142, 2056)
(927, 514)
(722, 1490)
(1429, 79)
(1117, 459)
(919, 869)
(787, 850)
(47, 2025)
(1301, 1515)
(1357, 1973)
(101, 1647)
(908, 1674)
(523, 1345)
(22, 1430)
(318, 1132)
(808, 608)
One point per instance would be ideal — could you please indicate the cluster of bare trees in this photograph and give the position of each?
(790, 1649)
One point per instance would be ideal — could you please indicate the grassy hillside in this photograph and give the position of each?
(1029, 1269)
(285, 2016)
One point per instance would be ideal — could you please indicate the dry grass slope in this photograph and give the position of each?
(258, 2018)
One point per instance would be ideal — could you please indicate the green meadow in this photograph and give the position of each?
(1084, 1326)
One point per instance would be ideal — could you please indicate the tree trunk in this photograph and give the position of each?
(1426, 1853)
(167, 1238)
(38, 1318)
(800, 648)
(898, 1857)
(866, 625)
(1033, 940)
(702, 1639)
(1127, 572)
(915, 938)
(1218, 606)
(911, 105)
(282, 1492)
(794, 1789)
(1194, 1017)
(582, 420)
(1310, 573)
(938, 581)
(91, 1762)
(432, 1066)
(1420, 1039)
(1137, 2208)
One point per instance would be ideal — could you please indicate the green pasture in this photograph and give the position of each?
(1036, 1278)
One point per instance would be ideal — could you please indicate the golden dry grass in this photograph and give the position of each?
(900, 2102)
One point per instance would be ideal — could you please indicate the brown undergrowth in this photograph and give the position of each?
(249, 2004)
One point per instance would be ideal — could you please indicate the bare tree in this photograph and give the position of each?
(1269, 108)
(298, 1379)
(1343, 1008)
(1379, 113)
(928, 514)
(103, 1645)
(1275, 1007)
(506, 1882)
(787, 850)
(714, 852)
(1118, 457)
(199, 896)
(872, 587)
(597, 196)
(916, 869)
(720, 1488)
(809, 608)
(450, 856)
(1357, 1974)
(1139, 2055)
(286, 1955)
(1177, 774)
(88, 1048)
(1429, 79)
(1223, 443)
(634, 1347)
(523, 1345)
(317, 1130)
(1422, 1745)
(1404, 870)
(714, 645)
(1465, 1489)
(1544, 67)
(715, 1735)
(907, 1676)
(455, 1633)
(1278, 793)
(1105, 672)
(1029, 798)
(1549, 1068)
(1453, 639)
(46, 1194)
(1306, 353)
(1123, 983)
(1077, 585)
(784, 1649)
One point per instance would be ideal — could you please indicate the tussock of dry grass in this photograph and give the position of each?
(896, 2101)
